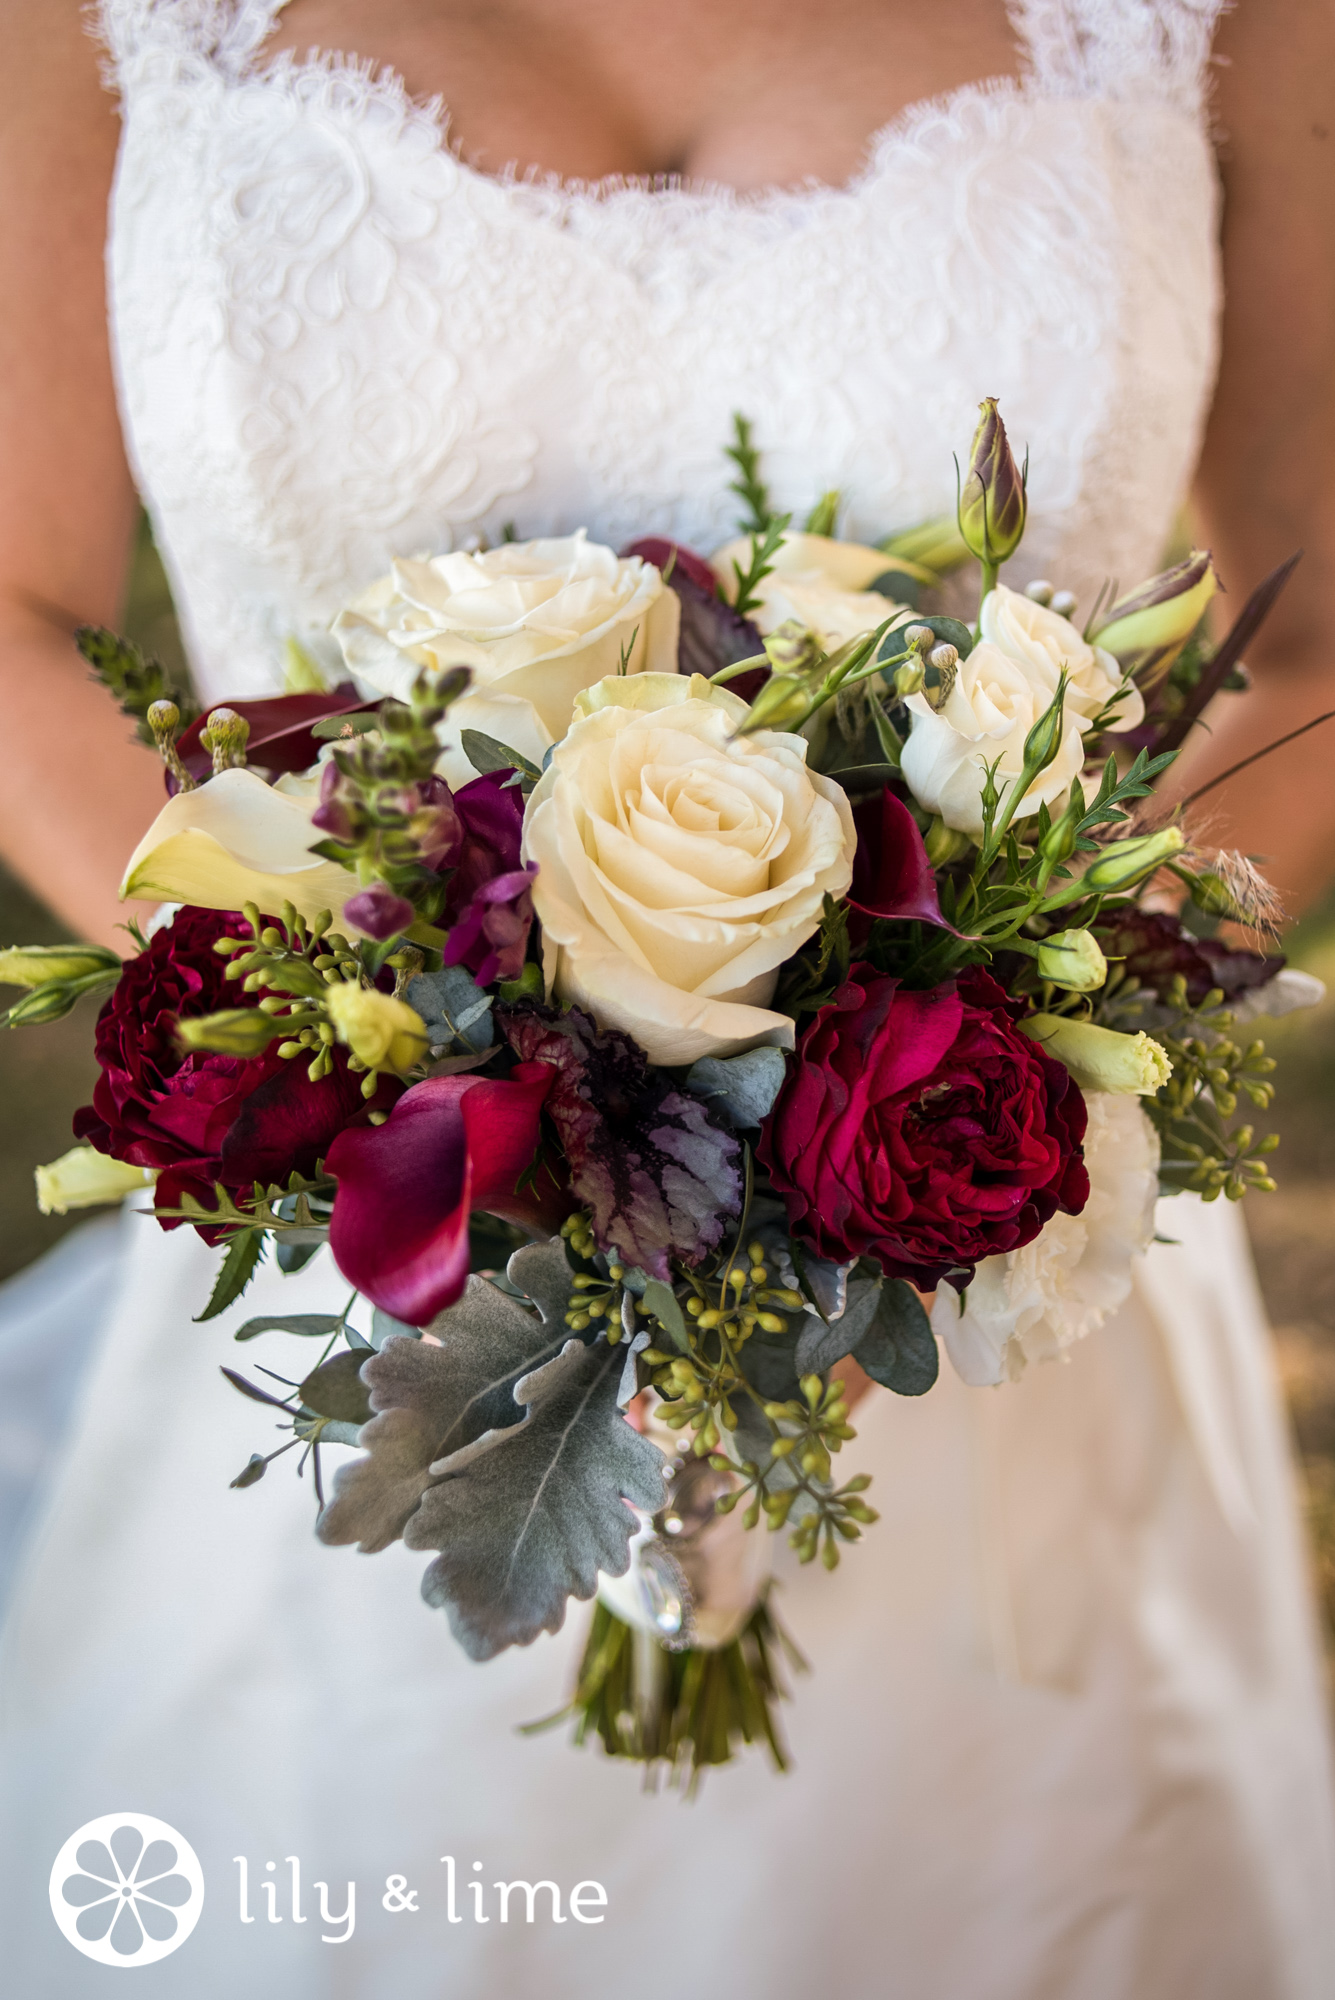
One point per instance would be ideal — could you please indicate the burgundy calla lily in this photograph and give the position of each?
(280, 729)
(406, 1189)
(892, 876)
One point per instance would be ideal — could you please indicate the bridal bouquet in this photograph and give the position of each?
(675, 990)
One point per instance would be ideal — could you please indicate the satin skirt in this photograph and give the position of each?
(1064, 1735)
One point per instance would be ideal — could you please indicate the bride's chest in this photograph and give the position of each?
(322, 316)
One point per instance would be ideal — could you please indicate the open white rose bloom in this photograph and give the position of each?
(819, 582)
(1030, 1304)
(679, 865)
(535, 622)
(1001, 690)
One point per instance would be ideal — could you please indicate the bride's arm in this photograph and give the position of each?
(76, 793)
(1267, 478)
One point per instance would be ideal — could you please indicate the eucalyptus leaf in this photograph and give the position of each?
(456, 1011)
(821, 1343)
(486, 753)
(293, 1256)
(310, 1325)
(358, 1341)
(384, 1327)
(742, 1087)
(253, 1390)
(336, 1389)
(663, 1303)
(858, 779)
(256, 1469)
(948, 632)
(899, 1349)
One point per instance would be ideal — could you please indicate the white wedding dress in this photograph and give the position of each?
(1064, 1737)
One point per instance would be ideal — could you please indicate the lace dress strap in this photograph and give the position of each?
(1152, 49)
(228, 32)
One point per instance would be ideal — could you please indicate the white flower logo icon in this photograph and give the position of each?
(126, 1889)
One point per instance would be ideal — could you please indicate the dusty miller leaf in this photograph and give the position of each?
(527, 1519)
(432, 1400)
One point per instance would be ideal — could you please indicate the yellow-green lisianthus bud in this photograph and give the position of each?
(910, 678)
(36, 964)
(782, 703)
(937, 546)
(1100, 1058)
(1120, 866)
(1146, 630)
(236, 1031)
(1045, 738)
(381, 1032)
(85, 1178)
(944, 844)
(791, 647)
(1073, 960)
(992, 498)
(225, 738)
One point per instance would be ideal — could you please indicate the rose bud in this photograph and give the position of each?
(1147, 630)
(1119, 867)
(83, 1178)
(1073, 960)
(992, 499)
(236, 1031)
(381, 1032)
(35, 964)
(1100, 1058)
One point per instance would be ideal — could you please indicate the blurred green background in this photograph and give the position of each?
(46, 1072)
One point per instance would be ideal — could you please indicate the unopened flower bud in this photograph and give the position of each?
(944, 844)
(909, 678)
(1120, 866)
(939, 676)
(1147, 630)
(377, 912)
(381, 1032)
(1100, 1058)
(791, 647)
(164, 719)
(236, 1031)
(225, 738)
(1063, 602)
(85, 1178)
(35, 964)
(992, 499)
(782, 703)
(1039, 591)
(1045, 738)
(918, 638)
(1073, 960)
(1211, 894)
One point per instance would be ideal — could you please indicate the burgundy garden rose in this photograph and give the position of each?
(923, 1129)
(202, 1118)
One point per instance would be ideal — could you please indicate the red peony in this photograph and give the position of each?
(923, 1129)
(204, 1118)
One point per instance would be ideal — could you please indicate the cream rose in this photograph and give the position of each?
(536, 622)
(1036, 637)
(820, 582)
(993, 705)
(680, 865)
(1030, 1304)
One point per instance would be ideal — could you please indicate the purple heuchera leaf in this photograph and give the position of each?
(657, 1174)
(378, 913)
(712, 635)
(1154, 947)
(490, 936)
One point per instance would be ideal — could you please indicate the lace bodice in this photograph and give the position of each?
(336, 342)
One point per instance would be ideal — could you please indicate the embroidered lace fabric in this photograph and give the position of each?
(337, 342)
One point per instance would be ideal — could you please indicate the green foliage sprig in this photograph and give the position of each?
(133, 680)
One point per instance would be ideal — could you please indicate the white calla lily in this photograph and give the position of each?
(237, 840)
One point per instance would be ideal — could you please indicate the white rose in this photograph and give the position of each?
(820, 582)
(1034, 636)
(1029, 1304)
(993, 705)
(536, 622)
(680, 865)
